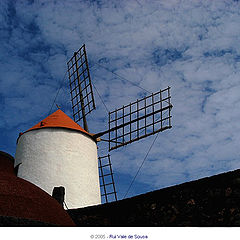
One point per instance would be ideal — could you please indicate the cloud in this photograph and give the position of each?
(190, 46)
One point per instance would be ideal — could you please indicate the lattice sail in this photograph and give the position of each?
(140, 119)
(107, 185)
(80, 85)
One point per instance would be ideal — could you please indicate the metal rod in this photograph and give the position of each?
(105, 140)
(132, 121)
(130, 130)
(169, 111)
(114, 189)
(109, 134)
(137, 118)
(70, 84)
(108, 193)
(148, 125)
(85, 54)
(161, 106)
(116, 125)
(136, 139)
(106, 165)
(145, 103)
(123, 122)
(109, 174)
(106, 184)
(153, 111)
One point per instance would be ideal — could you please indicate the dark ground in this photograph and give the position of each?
(212, 201)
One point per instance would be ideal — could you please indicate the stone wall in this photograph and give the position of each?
(212, 201)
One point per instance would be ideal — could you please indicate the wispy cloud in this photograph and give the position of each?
(191, 46)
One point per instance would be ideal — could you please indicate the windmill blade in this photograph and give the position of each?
(107, 185)
(80, 86)
(139, 119)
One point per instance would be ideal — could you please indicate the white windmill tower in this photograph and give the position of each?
(58, 152)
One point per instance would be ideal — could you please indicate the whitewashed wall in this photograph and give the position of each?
(53, 157)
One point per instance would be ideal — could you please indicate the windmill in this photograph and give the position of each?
(127, 124)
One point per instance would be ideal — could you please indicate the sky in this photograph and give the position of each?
(192, 46)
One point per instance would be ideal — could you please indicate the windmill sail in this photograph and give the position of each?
(107, 184)
(80, 86)
(139, 119)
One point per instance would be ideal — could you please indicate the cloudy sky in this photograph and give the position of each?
(192, 46)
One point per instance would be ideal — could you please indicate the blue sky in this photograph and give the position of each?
(192, 46)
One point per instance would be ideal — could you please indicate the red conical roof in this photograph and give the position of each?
(58, 119)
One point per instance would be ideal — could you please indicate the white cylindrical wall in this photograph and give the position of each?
(53, 157)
